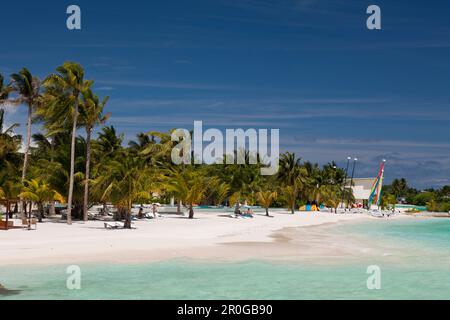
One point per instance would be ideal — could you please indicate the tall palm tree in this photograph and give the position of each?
(91, 115)
(28, 89)
(69, 80)
(292, 176)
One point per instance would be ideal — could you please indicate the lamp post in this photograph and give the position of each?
(345, 182)
(353, 172)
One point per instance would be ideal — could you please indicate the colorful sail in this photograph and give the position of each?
(375, 193)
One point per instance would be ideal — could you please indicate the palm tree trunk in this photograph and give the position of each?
(267, 211)
(27, 149)
(86, 178)
(191, 212)
(127, 223)
(29, 217)
(72, 161)
(8, 209)
(179, 206)
(52, 209)
(41, 211)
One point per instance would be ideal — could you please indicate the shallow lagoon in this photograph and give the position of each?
(424, 276)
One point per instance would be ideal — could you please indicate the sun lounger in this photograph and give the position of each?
(113, 225)
(25, 223)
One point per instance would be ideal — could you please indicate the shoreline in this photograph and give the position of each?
(210, 236)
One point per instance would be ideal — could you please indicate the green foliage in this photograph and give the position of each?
(423, 198)
(143, 171)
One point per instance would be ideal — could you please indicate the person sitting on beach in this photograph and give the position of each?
(249, 213)
(141, 212)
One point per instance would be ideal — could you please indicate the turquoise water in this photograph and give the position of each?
(420, 276)
(433, 233)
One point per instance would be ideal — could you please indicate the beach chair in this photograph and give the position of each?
(112, 226)
(25, 223)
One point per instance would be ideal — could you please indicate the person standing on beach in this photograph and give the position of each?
(237, 210)
(155, 210)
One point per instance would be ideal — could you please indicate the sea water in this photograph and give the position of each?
(419, 276)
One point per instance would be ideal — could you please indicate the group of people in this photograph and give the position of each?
(245, 214)
(154, 211)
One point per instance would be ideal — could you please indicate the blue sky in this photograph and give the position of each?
(308, 67)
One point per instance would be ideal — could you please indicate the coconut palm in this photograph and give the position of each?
(108, 143)
(28, 89)
(124, 180)
(69, 83)
(330, 195)
(10, 192)
(189, 185)
(5, 90)
(265, 199)
(292, 176)
(157, 151)
(91, 115)
(290, 195)
(220, 192)
(39, 192)
(9, 142)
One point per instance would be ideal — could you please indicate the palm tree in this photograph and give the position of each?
(124, 180)
(70, 82)
(220, 192)
(11, 190)
(189, 185)
(157, 149)
(292, 176)
(9, 142)
(91, 115)
(4, 91)
(331, 196)
(399, 187)
(265, 198)
(290, 194)
(28, 89)
(39, 192)
(108, 143)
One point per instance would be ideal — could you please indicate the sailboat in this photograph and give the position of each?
(375, 192)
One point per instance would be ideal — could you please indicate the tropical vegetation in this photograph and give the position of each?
(74, 158)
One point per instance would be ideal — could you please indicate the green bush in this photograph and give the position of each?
(422, 199)
(444, 207)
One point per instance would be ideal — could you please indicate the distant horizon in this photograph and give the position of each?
(309, 68)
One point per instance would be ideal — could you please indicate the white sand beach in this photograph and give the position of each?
(210, 235)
